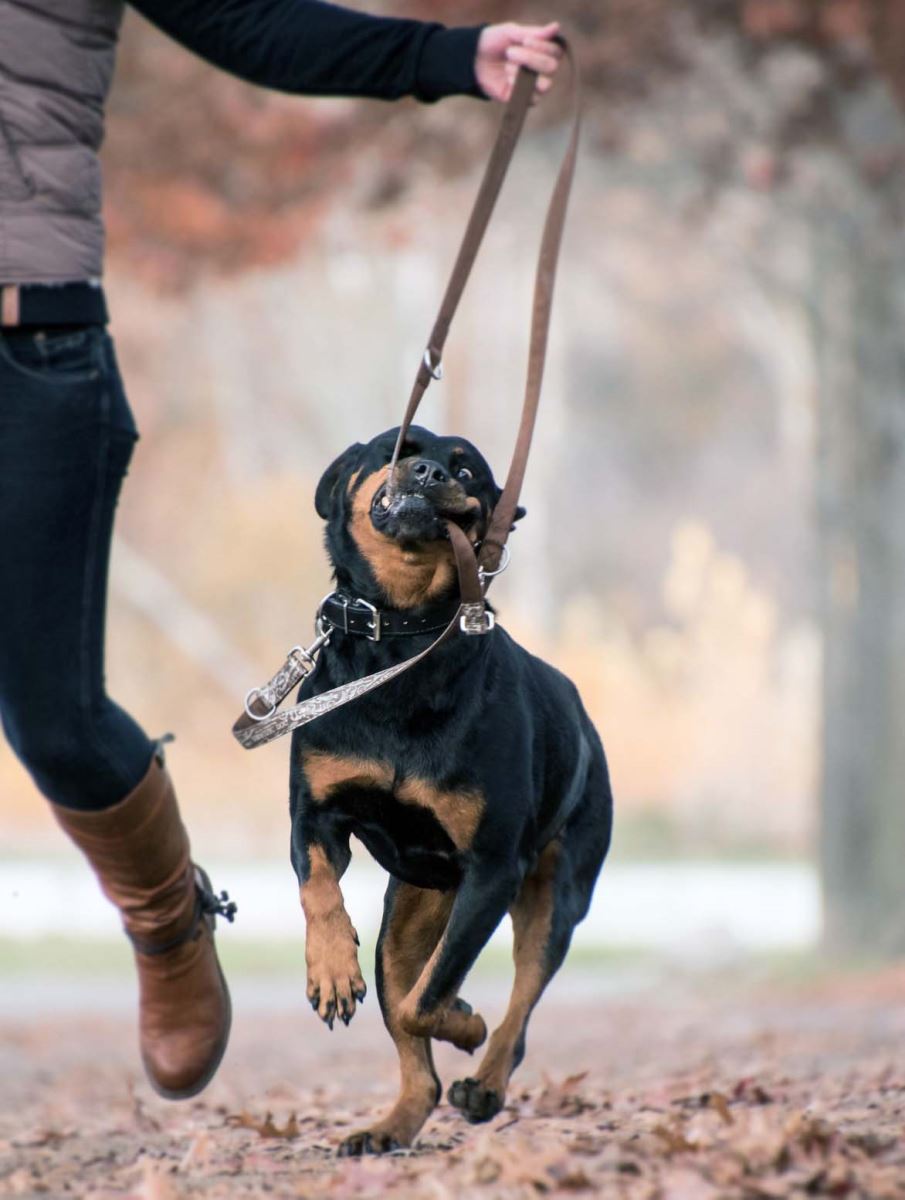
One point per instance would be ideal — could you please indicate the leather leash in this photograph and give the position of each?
(261, 722)
(430, 368)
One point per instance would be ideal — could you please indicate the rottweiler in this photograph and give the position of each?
(476, 780)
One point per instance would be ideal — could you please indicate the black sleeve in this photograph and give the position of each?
(322, 49)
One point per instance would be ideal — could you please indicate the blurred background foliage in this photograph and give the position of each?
(712, 548)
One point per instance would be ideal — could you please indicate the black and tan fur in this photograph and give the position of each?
(476, 780)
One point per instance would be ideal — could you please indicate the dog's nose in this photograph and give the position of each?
(426, 471)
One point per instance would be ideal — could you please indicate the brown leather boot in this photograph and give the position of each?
(139, 850)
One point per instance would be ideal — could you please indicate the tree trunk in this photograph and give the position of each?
(860, 318)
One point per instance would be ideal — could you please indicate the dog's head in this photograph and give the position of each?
(393, 548)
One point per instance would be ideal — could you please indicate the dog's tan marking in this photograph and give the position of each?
(532, 917)
(331, 954)
(418, 919)
(326, 772)
(353, 479)
(408, 577)
(477, 530)
(459, 813)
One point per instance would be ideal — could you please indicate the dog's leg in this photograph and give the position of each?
(331, 945)
(413, 921)
(430, 1007)
(482, 1096)
(555, 896)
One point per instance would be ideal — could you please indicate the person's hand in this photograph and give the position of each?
(502, 49)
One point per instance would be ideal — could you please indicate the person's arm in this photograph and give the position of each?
(310, 47)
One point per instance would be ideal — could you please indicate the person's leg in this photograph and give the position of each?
(66, 437)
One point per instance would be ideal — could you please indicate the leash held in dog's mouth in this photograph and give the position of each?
(416, 514)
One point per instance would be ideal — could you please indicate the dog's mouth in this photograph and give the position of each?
(414, 514)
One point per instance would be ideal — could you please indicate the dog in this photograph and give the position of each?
(476, 780)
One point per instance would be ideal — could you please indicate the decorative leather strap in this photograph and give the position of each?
(261, 723)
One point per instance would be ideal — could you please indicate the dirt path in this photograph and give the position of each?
(715, 1092)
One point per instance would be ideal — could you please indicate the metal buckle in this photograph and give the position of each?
(374, 624)
(435, 369)
(476, 618)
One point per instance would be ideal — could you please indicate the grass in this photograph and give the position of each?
(110, 959)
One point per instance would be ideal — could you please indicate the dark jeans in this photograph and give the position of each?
(66, 437)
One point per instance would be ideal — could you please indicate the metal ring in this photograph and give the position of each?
(256, 692)
(504, 563)
(435, 369)
(320, 608)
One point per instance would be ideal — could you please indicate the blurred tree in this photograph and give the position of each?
(859, 318)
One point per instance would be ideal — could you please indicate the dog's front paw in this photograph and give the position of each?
(332, 998)
(334, 982)
(475, 1100)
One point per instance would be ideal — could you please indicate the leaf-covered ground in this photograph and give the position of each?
(678, 1092)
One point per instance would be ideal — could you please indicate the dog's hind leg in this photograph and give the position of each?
(413, 922)
(553, 899)
(482, 1096)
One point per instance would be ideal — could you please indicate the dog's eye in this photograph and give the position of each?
(464, 474)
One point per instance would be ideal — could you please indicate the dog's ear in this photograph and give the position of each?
(334, 474)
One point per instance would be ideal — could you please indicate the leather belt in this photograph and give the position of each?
(346, 615)
(34, 305)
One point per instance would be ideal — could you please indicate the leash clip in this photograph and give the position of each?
(476, 618)
(298, 665)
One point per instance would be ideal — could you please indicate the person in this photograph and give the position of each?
(67, 435)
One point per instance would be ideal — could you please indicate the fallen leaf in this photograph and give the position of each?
(265, 1128)
(40, 1137)
(720, 1104)
(751, 1092)
(674, 1139)
(562, 1098)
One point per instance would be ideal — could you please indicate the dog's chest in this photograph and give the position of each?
(416, 829)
